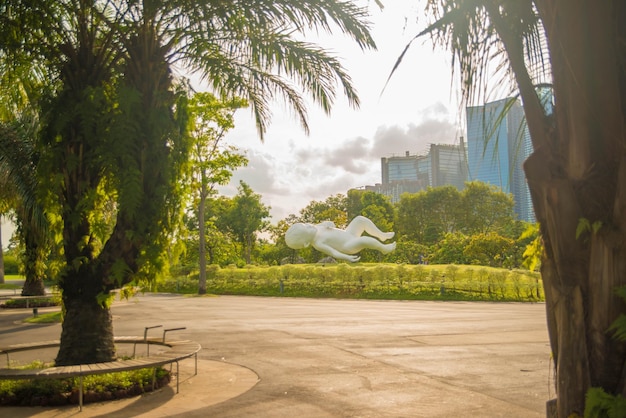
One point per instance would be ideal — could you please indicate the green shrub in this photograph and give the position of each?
(11, 265)
(63, 391)
(32, 303)
(371, 281)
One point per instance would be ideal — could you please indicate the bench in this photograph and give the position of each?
(174, 352)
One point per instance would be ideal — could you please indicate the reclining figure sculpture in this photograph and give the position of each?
(339, 243)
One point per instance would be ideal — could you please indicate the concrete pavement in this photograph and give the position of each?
(286, 357)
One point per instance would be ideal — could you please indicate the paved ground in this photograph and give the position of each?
(283, 357)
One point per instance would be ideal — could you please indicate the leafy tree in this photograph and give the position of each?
(576, 170)
(212, 163)
(379, 209)
(332, 209)
(488, 249)
(245, 218)
(19, 184)
(412, 217)
(451, 249)
(485, 209)
(372, 205)
(20, 91)
(114, 119)
(428, 215)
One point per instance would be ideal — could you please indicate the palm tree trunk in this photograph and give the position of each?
(33, 287)
(33, 264)
(577, 173)
(87, 335)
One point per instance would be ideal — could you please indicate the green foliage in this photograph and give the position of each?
(374, 206)
(618, 327)
(488, 249)
(534, 249)
(46, 318)
(245, 218)
(33, 303)
(59, 391)
(371, 281)
(584, 226)
(599, 404)
(485, 208)
(451, 249)
(11, 264)
(332, 209)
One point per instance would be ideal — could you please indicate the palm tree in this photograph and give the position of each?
(17, 168)
(577, 172)
(114, 143)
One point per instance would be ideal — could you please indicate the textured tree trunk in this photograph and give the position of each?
(33, 265)
(577, 176)
(87, 335)
(33, 287)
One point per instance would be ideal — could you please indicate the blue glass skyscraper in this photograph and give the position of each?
(498, 142)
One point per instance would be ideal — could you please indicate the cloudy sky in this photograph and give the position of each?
(418, 107)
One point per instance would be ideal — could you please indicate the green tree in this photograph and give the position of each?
(485, 209)
(18, 165)
(428, 215)
(576, 170)
(372, 205)
(246, 218)
(20, 91)
(212, 163)
(488, 249)
(114, 134)
(451, 249)
(332, 209)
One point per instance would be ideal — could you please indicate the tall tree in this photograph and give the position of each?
(18, 164)
(485, 208)
(426, 216)
(114, 132)
(212, 163)
(577, 171)
(21, 88)
(246, 217)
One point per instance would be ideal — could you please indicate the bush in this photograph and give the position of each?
(11, 265)
(32, 303)
(97, 388)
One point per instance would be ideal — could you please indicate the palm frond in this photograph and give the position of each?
(232, 45)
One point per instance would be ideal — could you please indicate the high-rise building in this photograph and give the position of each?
(443, 165)
(448, 165)
(498, 142)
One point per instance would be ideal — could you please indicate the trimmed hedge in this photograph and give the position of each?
(369, 281)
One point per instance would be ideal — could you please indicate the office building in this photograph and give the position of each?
(443, 165)
(498, 142)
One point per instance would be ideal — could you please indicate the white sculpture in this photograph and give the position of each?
(339, 243)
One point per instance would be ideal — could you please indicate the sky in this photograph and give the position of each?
(418, 107)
